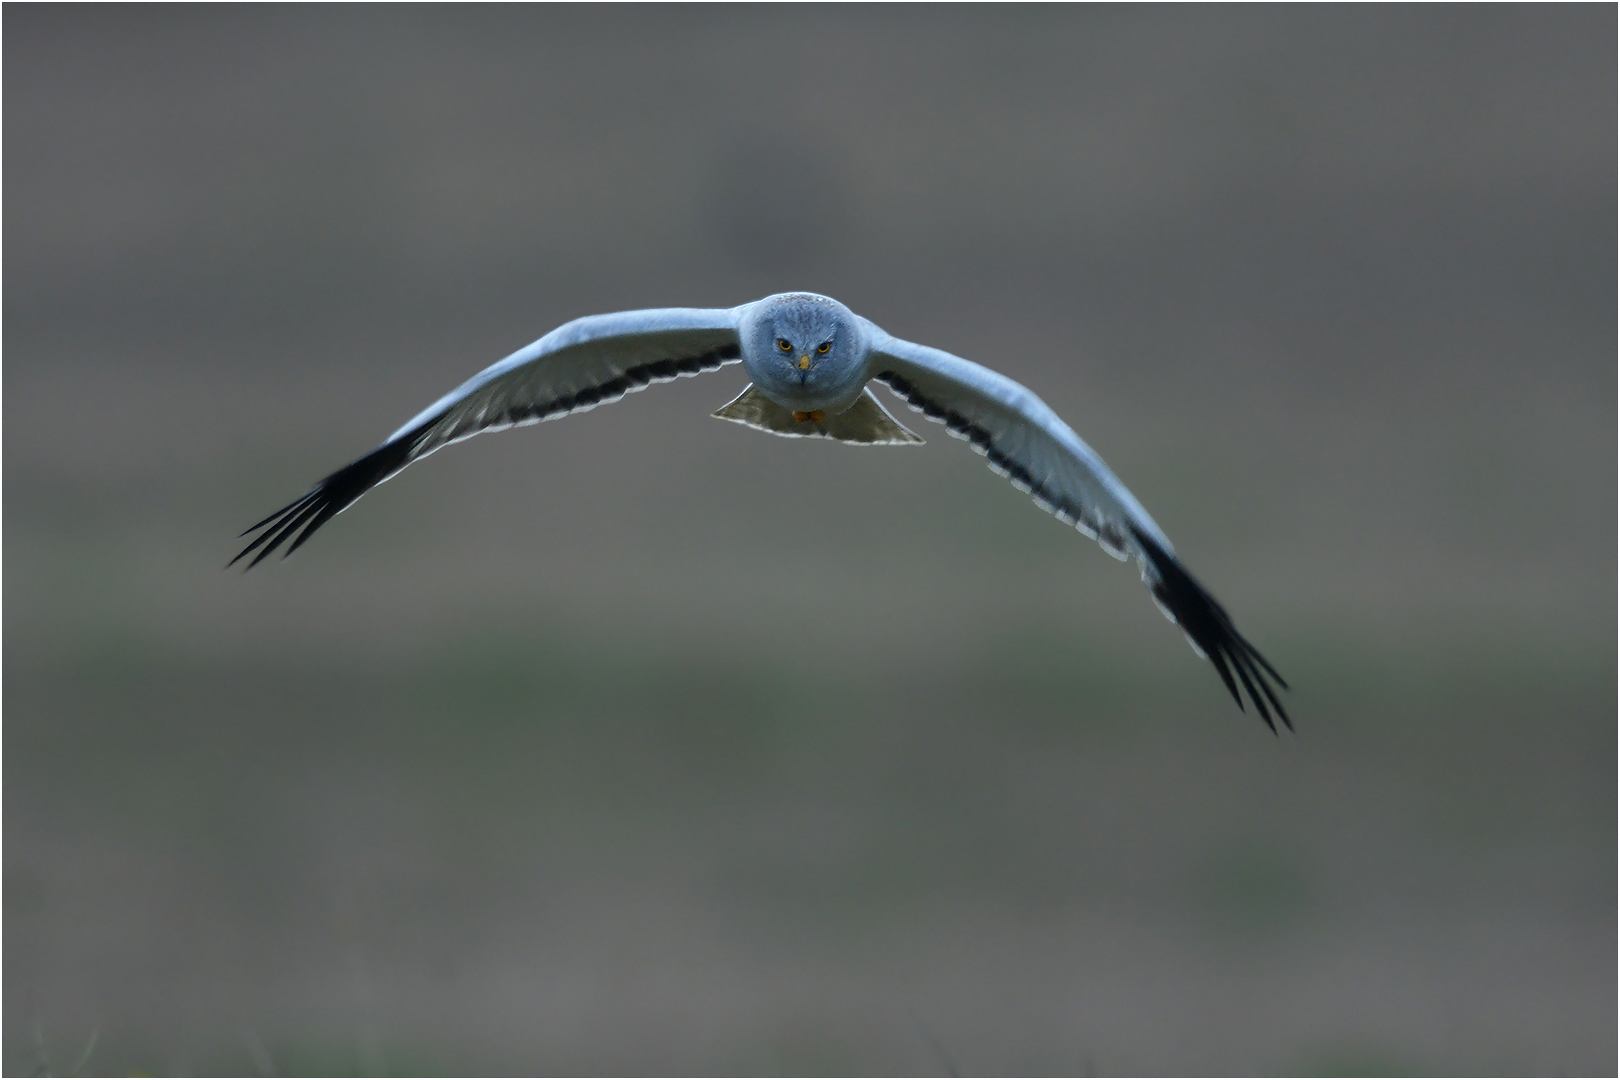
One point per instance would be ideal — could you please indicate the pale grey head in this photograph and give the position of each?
(805, 351)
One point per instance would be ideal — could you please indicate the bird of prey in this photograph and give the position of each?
(809, 359)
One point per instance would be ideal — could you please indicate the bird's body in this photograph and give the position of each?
(809, 360)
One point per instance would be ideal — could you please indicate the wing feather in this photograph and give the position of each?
(1021, 438)
(578, 366)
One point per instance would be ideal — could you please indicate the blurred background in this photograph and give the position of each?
(643, 743)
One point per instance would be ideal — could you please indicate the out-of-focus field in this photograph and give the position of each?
(642, 743)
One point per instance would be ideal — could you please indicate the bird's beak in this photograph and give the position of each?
(804, 363)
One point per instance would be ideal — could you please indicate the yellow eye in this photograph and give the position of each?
(784, 345)
(825, 346)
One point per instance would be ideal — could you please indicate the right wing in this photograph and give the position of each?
(1025, 441)
(576, 367)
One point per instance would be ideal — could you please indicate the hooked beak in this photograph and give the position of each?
(804, 362)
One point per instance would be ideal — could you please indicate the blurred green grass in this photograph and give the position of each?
(1020, 776)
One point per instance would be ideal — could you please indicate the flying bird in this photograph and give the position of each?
(809, 360)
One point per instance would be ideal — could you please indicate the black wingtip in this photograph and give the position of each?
(289, 527)
(1211, 629)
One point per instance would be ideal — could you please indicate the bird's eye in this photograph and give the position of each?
(825, 346)
(784, 344)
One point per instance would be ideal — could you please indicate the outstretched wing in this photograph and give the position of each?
(576, 367)
(1025, 441)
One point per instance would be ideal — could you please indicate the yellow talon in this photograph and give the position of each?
(804, 363)
(818, 416)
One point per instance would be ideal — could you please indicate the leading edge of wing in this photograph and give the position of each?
(294, 523)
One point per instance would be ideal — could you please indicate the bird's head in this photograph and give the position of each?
(804, 350)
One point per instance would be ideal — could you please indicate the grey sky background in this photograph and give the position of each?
(531, 762)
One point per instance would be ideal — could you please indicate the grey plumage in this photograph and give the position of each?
(809, 360)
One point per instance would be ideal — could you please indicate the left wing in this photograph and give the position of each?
(1025, 441)
(576, 367)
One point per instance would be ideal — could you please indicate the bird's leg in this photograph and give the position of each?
(818, 416)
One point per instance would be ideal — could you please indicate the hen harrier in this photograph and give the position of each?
(810, 359)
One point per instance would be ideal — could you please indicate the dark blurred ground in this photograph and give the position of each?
(642, 743)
